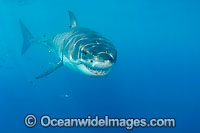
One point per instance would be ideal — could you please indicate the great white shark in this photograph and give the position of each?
(79, 49)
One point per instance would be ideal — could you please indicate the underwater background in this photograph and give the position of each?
(157, 74)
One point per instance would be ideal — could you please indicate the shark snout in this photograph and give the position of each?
(106, 57)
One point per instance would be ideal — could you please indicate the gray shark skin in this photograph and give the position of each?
(79, 49)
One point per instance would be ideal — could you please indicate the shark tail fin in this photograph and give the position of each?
(27, 36)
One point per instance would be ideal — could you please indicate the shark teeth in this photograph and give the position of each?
(97, 71)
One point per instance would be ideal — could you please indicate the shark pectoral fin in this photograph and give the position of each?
(58, 65)
(73, 21)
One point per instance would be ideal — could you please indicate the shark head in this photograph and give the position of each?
(97, 59)
(87, 51)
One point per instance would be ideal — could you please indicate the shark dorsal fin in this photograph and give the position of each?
(73, 21)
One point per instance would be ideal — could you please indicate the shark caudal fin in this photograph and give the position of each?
(27, 36)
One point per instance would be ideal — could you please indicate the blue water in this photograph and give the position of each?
(157, 73)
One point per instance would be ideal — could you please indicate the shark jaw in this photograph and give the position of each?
(94, 71)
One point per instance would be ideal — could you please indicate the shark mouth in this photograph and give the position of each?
(97, 71)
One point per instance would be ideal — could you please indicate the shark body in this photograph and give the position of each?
(80, 49)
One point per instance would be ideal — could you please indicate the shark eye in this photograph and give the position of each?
(85, 53)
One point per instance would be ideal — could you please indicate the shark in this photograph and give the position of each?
(80, 49)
